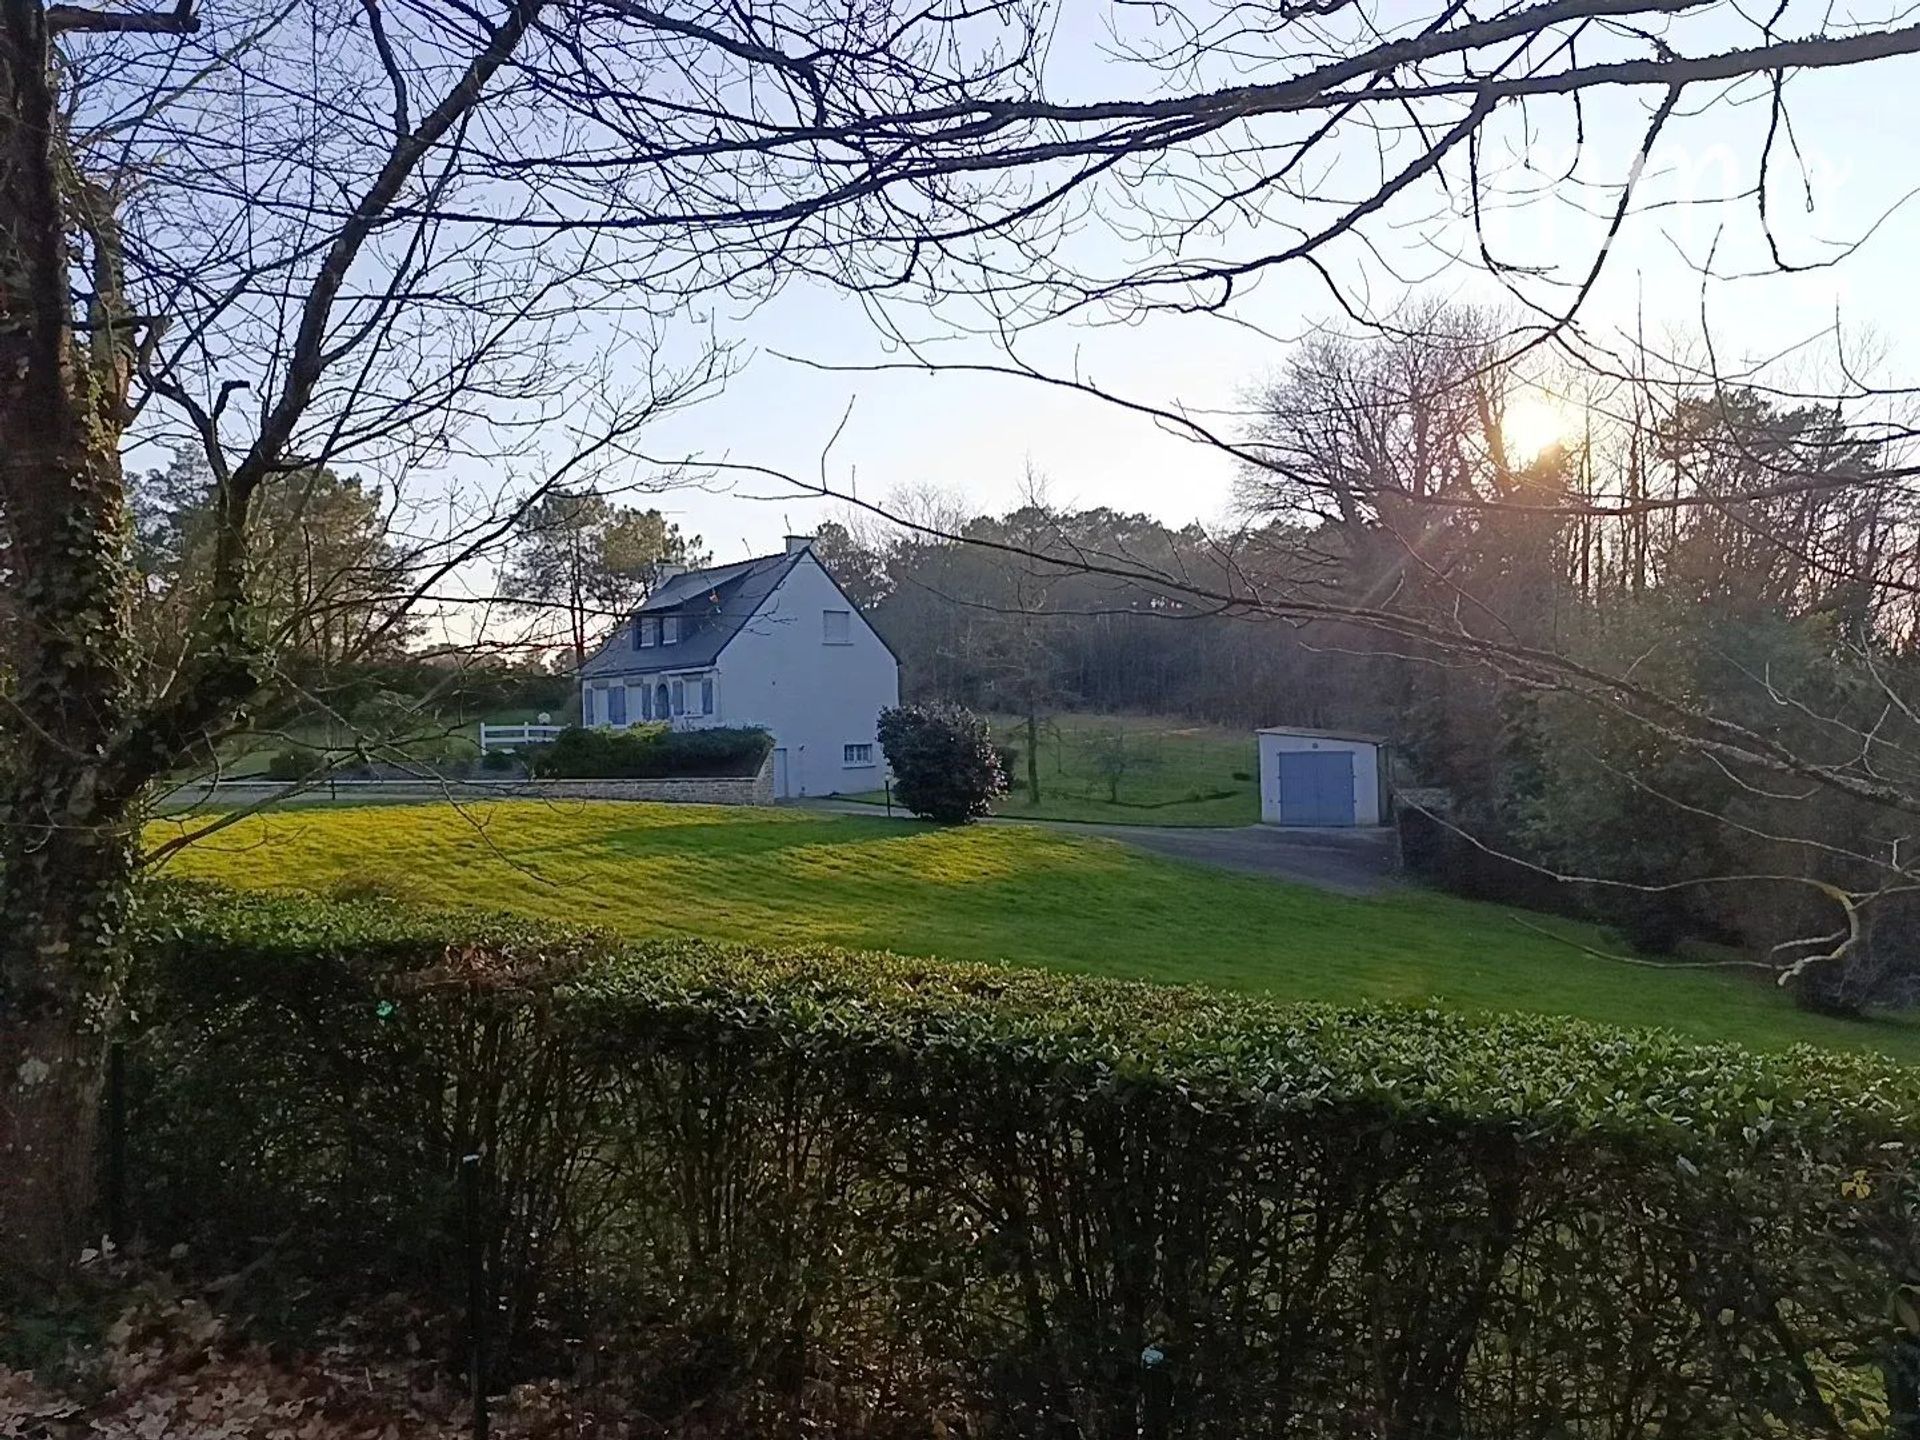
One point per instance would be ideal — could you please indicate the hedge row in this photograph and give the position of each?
(869, 1194)
(650, 752)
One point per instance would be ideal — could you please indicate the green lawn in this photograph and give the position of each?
(1176, 772)
(1030, 896)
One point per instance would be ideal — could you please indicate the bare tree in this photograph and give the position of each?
(408, 237)
(418, 239)
(1017, 653)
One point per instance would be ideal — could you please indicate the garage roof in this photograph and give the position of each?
(1322, 734)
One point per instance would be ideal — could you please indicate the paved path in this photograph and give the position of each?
(1352, 862)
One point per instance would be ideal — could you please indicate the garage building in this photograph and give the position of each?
(1322, 777)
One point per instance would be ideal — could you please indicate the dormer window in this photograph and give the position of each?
(648, 631)
(670, 630)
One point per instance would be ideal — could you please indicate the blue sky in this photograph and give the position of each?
(975, 436)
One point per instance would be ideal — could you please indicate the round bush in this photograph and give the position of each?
(296, 762)
(943, 761)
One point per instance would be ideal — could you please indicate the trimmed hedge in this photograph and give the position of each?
(861, 1192)
(649, 752)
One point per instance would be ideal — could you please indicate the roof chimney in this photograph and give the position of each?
(665, 570)
(799, 544)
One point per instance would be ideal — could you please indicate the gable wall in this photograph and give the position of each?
(814, 697)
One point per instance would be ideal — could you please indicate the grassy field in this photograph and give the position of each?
(1029, 896)
(1173, 772)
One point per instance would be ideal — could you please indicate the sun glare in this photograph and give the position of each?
(1532, 425)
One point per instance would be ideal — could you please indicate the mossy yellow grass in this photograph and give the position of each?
(1010, 893)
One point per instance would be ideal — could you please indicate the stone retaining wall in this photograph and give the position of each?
(743, 790)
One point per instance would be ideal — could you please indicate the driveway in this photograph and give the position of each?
(1350, 862)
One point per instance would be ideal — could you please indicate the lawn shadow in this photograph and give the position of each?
(727, 839)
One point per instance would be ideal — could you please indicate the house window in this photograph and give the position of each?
(670, 630)
(617, 705)
(586, 707)
(836, 627)
(856, 754)
(646, 702)
(679, 697)
(660, 701)
(706, 695)
(649, 631)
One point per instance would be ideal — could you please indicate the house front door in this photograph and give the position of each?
(780, 790)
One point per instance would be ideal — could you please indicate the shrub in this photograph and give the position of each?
(497, 760)
(852, 1193)
(1009, 758)
(295, 762)
(648, 752)
(943, 761)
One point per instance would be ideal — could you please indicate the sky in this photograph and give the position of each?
(976, 436)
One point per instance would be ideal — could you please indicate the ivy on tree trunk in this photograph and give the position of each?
(79, 742)
(66, 834)
(74, 756)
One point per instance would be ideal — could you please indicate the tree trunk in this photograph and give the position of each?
(68, 831)
(1033, 756)
(66, 802)
(576, 606)
(64, 942)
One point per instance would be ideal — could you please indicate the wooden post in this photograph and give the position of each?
(476, 1293)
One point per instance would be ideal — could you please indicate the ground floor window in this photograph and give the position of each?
(856, 754)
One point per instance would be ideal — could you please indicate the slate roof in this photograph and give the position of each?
(713, 605)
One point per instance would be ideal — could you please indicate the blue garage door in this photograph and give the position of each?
(1316, 787)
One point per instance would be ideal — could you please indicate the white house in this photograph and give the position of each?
(772, 642)
(1322, 777)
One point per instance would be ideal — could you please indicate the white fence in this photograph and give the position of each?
(508, 737)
